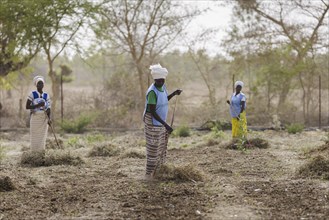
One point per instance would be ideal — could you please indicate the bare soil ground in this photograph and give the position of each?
(239, 184)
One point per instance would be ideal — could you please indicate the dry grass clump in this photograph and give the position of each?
(134, 154)
(104, 150)
(33, 159)
(51, 158)
(51, 143)
(238, 144)
(6, 184)
(180, 173)
(323, 149)
(318, 167)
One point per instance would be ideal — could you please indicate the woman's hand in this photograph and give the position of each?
(168, 128)
(178, 92)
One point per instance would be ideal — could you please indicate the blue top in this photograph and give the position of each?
(161, 105)
(35, 97)
(235, 107)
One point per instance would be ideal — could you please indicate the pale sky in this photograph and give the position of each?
(218, 17)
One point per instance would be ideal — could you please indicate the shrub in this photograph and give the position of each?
(77, 125)
(295, 128)
(182, 131)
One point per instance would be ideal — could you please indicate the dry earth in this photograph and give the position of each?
(239, 184)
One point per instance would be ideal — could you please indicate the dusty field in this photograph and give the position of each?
(251, 184)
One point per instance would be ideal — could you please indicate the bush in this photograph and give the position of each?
(182, 131)
(77, 125)
(295, 128)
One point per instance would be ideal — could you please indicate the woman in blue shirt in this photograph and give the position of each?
(238, 112)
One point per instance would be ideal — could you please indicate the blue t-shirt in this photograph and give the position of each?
(235, 107)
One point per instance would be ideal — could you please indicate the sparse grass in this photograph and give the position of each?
(77, 125)
(6, 184)
(180, 173)
(295, 128)
(104, 150)
(51, 158)
(95, 138)
(317, 167)
(182, 131)
(217, 124)
(134, 154)
(74, 142)
(214, 137)
(244, 144)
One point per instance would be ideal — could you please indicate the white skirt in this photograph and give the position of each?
(38, 131)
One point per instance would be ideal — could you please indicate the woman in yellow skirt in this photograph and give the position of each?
(238, 112)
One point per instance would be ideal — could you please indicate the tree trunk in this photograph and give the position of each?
(54, 88)
(141, 81)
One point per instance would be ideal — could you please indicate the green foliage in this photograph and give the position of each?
(75, 142)
(219, 125)
(295, 128)
(217, 133)
(182, 131)
(95, 138)
(77, 125)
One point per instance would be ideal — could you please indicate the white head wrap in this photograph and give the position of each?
(37, 79)
(238, 83)
(158, 72)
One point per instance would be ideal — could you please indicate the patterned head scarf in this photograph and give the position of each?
(238, 83)
(37, 79)
(158, 72)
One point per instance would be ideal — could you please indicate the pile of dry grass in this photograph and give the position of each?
(323, 149)
(6, 184)
(104, 150)
(318, 167)
(51, 158)
(238, 144)
(134, 154)
(52, 144)
(181, 174)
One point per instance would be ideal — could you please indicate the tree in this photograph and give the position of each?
(143, 29)
(61, 20)
(273, 24)
(18, 26)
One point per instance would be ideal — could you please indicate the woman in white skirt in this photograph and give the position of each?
(39, 104)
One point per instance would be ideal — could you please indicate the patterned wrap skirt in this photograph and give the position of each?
(156, 144)
(38, 130)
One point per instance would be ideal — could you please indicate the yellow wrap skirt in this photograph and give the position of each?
(239, 127)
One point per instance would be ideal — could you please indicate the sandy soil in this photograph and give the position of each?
(251, 184)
